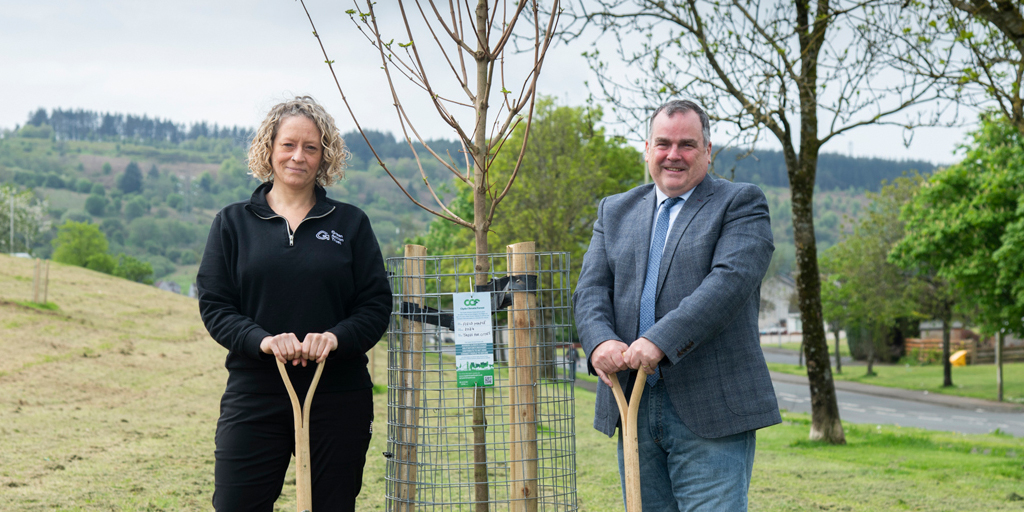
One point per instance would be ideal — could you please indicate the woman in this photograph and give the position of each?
(294, 276)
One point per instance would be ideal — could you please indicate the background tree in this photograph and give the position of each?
(936, 299)
(799, 72)
(834, 304)
(20, 232)
(96, 204)
(133, 269)
(967, 223)
(131, 181)
(572, 164)
(862, 287)
(76, 242)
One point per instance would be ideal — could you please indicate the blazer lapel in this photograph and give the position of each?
(641, 218)
(700, 196)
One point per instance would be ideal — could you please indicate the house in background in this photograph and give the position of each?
(779, 307)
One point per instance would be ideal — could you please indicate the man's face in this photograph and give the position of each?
(676, 154)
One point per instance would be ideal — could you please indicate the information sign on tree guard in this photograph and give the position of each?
(474, 346)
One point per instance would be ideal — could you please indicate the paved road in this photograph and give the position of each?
(866, 404)
(862, 403)
(861, 408)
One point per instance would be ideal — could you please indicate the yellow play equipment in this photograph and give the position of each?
(958, 358)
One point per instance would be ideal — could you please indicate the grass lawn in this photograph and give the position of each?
(977, 381)
(110, 402)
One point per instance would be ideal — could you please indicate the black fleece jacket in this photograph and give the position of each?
(258, 279)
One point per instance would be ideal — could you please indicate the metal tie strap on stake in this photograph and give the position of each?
(630, 446)
(303, 475)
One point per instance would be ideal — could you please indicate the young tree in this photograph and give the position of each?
(967, 223)
(797, 71)
(481, 37)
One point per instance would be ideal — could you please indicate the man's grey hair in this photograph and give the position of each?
(674, 107)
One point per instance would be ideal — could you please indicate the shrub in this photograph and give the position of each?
(101, 263)
(96, 204)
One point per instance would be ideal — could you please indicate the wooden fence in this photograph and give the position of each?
(931, 349)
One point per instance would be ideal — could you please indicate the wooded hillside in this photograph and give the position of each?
(152, 186)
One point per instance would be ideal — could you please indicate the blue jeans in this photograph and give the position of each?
(680, 470)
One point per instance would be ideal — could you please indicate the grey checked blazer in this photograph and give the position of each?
(706, 312)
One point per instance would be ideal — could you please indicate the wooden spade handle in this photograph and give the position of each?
(630, 448)
(303, 479)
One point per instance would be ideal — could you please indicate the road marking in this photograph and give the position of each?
(886, 409)
(969, 418)
(893, 414)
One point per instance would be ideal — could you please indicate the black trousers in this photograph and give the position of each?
(256, 438)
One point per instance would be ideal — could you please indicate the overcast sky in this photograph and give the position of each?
(228, 61)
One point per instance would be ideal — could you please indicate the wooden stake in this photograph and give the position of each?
(46, 285)
(522, 373)
(35, 283)
(413, 288)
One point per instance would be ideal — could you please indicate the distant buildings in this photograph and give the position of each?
(779, 310)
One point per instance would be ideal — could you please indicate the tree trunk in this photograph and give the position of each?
(480, 227)
(871, 358)
(825, 423)
(839, 358)
(999, 366)
(947, 366)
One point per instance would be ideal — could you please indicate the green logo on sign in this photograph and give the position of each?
(471, 302)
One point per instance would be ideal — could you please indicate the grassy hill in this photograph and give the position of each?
(109, 402)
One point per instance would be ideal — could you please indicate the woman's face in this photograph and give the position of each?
(296, 153)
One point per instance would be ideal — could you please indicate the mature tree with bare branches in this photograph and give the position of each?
(975, 47)
(473, 42)
(796, 71)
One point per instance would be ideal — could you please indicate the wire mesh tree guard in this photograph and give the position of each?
(504, 446)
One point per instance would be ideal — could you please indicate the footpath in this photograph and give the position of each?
(973, 404)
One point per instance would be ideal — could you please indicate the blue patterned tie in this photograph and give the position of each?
(649, 294)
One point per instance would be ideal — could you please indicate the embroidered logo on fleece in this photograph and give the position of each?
(334, 236)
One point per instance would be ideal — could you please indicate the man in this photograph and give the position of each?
(689, 321)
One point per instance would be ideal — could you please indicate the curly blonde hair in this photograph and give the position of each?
(332, 165)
